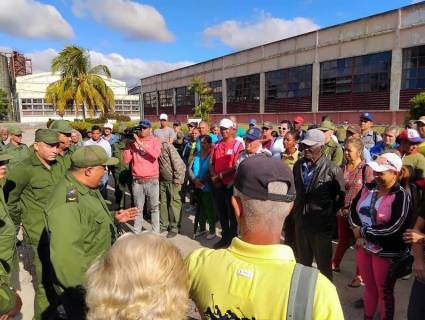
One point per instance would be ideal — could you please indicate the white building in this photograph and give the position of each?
(31, 89)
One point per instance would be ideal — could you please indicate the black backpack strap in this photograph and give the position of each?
(301, 293)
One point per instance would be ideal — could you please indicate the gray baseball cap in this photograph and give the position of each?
(314, 137)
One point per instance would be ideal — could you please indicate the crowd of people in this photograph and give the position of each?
(280, 198)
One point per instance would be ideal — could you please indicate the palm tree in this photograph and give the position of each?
(79, 85)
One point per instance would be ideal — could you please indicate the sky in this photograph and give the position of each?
(136, 38)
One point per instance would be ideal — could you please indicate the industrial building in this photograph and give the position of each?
(375, 63)
(31, 89)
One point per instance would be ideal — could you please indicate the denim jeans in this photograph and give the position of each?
(149, 191)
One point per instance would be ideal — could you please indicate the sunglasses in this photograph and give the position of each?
(282, 128)
(265, 129)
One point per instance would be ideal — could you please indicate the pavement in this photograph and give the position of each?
(186, 244)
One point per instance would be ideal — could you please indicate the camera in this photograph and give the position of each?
(129, 132)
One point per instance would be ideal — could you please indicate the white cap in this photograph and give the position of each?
(386, 161)
(108, 125)
(226, 123)
(163, 116)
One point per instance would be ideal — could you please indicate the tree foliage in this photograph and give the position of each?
(80, 84)
(417, 106)
(205, 99)
(4, 105)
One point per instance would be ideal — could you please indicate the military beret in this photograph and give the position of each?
(92, 156)
(61, 126)
(48, 136)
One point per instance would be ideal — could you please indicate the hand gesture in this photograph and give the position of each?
(126, 215)
(413, 236)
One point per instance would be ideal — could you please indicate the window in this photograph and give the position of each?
(150, 99)
(165, 98)
(216, 90)
(184, 97)
(287, 83)
(243, 89)
(368, 73)
(413, 74)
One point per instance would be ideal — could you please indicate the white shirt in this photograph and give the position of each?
(103, 143)
(277, 147)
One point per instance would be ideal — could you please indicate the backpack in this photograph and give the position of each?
(301, 293)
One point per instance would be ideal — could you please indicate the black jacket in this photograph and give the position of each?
(389, 235)
(315, 207)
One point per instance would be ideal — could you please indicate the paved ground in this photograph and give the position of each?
(186, 244)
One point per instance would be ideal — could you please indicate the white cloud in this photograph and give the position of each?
(125, 69)
(32, 19)
(134, 20)
(416, 1)
(241, 35)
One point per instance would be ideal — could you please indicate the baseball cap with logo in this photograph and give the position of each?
(48, 136)
(61, 126)
(163, 116)
(314, 137)
(15, 131)
(253, 134)
(192, 124)
(92, 156)
(299, 119)
(252, 122)
(410, 135)
(366, 115)
(386, 161)
(255, 173)
(145, 123)
(226, 123)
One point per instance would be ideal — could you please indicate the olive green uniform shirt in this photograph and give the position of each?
(19, 153)
(65, 160)
(7, 240)
(31, 184)
(417, 162)
(333, 152)
(117, 152)
(81, 229)
(7, 256)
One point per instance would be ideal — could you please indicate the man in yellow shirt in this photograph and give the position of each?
(254, 278)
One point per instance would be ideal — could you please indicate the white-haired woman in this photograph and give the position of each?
(141, 277)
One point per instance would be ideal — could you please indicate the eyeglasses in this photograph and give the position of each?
(265, 129)
(282, 128)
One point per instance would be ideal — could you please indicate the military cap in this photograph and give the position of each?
(92, 156)
(48, 136)
(15, 131)
(61, 126)
(327, 125)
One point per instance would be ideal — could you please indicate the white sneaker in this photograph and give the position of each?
(211, 236)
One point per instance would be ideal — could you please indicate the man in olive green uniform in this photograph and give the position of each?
(19, 151)
(80, 226)
(10, 302)
(31, 183)
(65, 149)
(331, 150)
(122, 174)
